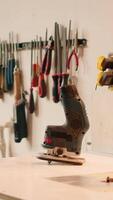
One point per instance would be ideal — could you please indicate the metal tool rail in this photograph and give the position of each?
(27, 45)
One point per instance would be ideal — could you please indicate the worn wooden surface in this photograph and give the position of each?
(28, 178)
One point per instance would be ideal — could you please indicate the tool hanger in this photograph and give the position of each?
(27, 45)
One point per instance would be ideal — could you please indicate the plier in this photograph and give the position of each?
(46, 64)
(74, 53)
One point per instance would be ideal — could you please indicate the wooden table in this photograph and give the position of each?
(28, 178)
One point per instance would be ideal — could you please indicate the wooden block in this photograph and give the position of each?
(69, 160)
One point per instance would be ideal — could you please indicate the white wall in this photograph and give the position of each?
(94, 21)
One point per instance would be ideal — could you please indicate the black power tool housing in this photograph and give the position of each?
(69, 135)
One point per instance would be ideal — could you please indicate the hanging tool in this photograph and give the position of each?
(11, 63)
(66, 45)
(17, 75)
(31, 97)
(12, 60)
(49, 60)
(65, 74)
(1, 70)
(42, 85)
(68, 42)
(5, 65)
(34, 67)
(37, 58)
(20, 122)
(45, 56)
(59, 58)
(57, 76)
(35, 73)
(19, 66)
(74, 53)
(46, 65)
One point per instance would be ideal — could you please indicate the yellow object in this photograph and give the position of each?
(110, 87)
(99, 77)
(105, 77)
(100, 62)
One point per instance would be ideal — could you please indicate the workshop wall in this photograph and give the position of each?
(94, 22)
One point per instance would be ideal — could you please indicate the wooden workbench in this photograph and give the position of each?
(28, 178)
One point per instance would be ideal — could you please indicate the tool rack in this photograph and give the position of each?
(27, 45)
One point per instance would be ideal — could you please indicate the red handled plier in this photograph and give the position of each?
(46, 64)
(73, 53)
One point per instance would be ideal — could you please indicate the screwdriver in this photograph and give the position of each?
(31, 98)
(42, 85)
(55, 76)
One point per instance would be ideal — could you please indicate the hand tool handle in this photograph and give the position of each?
(31, 102)
(34, 81)
(10, 70)
(44, 62)
(65, 79)
(55, 88)
(60, 79)
(34, 69)
(48, 67)
(17, 84)
(42, 86)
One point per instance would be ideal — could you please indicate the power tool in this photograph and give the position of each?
(64, 142)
